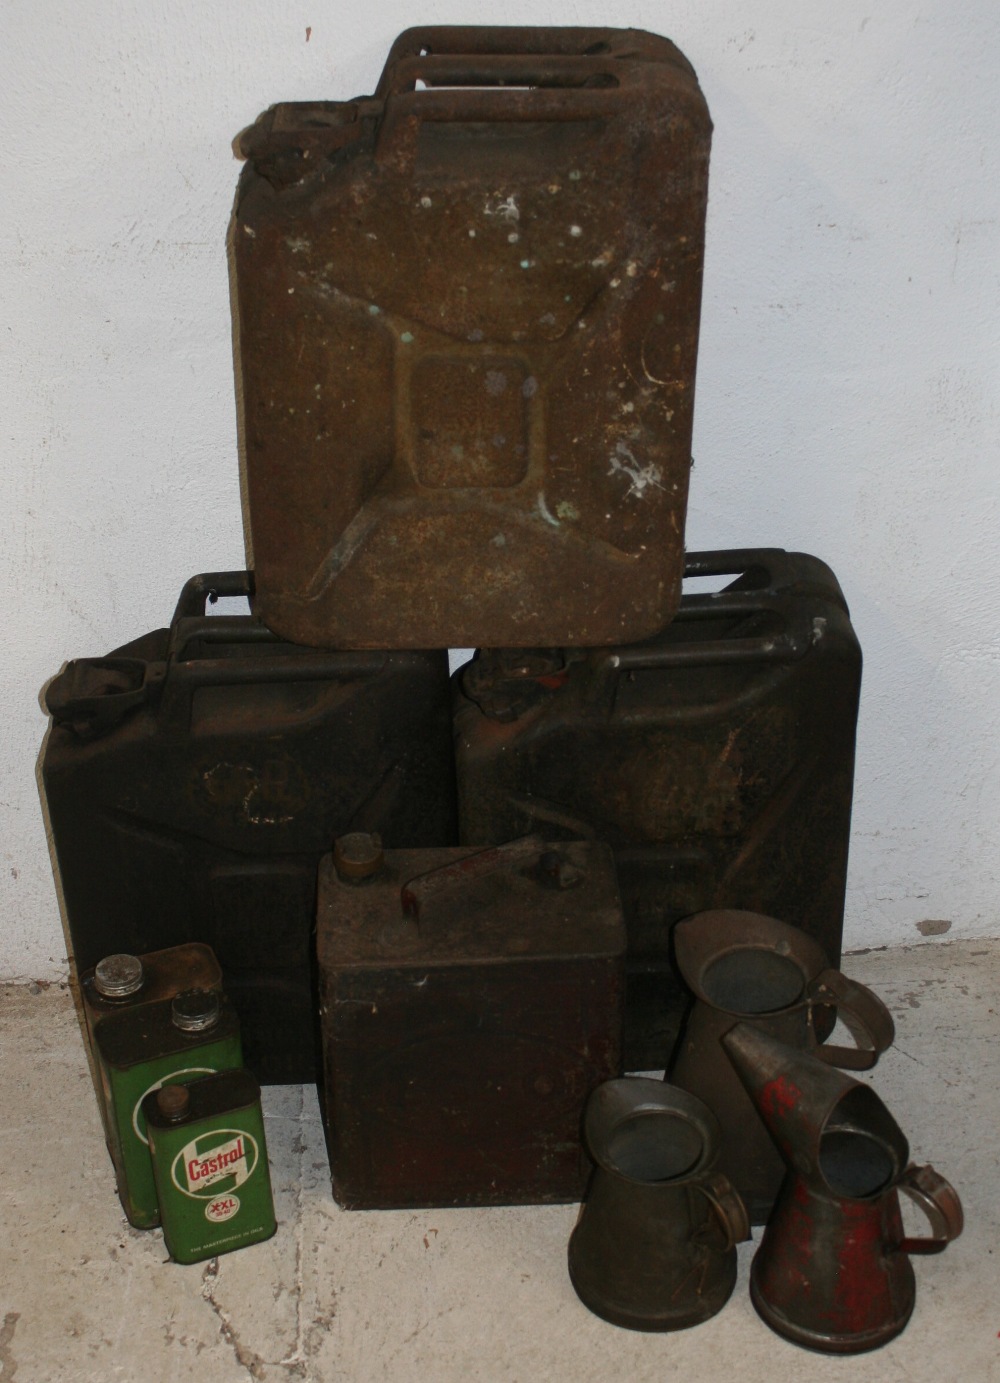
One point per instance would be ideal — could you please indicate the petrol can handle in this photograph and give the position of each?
(939, 1201)
(460, 873)
(864, 1015)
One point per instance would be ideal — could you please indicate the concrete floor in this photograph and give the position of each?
(451, 1294)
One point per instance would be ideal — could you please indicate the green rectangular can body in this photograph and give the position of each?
(138, 1051)
(210, 1168)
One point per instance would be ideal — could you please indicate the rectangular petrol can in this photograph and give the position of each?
(195, 777)
(468, 326)
(717, 760)
(138, 1050)
(209, 1160)
(470, 1001)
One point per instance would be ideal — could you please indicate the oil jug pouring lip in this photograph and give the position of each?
(621, 1113)
(711, 951)
(750, 966)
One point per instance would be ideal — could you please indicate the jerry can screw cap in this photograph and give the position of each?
(357, 855)
(173, 1101)
(118, 976)
(194, 1010)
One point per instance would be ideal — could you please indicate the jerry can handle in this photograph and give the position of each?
(478, 90)
(622, 45)
(462, 71)
(610, 665)
(939, 1201)
(729, 1209)
(204, 589)
(864, 1015)
(425, 39)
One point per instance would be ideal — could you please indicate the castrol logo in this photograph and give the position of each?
(215, 1164)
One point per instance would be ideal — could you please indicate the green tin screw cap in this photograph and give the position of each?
(118, 976)
(173, 1101)
(195, 1010)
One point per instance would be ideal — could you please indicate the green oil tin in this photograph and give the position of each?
(209, 1160)
(138, 1050)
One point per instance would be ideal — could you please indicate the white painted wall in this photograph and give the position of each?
(847, 397)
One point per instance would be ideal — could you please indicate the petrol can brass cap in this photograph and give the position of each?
(194, 1010)
(357, 855)
(118, 976)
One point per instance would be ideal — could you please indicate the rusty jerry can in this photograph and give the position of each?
(717, 760)
(470, 1001)
(468, 324)
(195, 777)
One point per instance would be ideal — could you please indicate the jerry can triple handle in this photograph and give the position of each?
(729, 1209)
(627, 45)
(939, 1201)
(464, 90)
(863, 1014)
(521, 70)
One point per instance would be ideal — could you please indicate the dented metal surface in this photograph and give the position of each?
(717, 760)
(468, 326)
(194, 784)
(470, 1001)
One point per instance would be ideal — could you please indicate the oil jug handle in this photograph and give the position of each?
(864, 1015)
(939, 1201)
(729, 1209)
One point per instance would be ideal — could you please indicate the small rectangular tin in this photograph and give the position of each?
(470, 1002)
(137, 1051)
(717, 760)
(211, 1170)
(468, 328)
